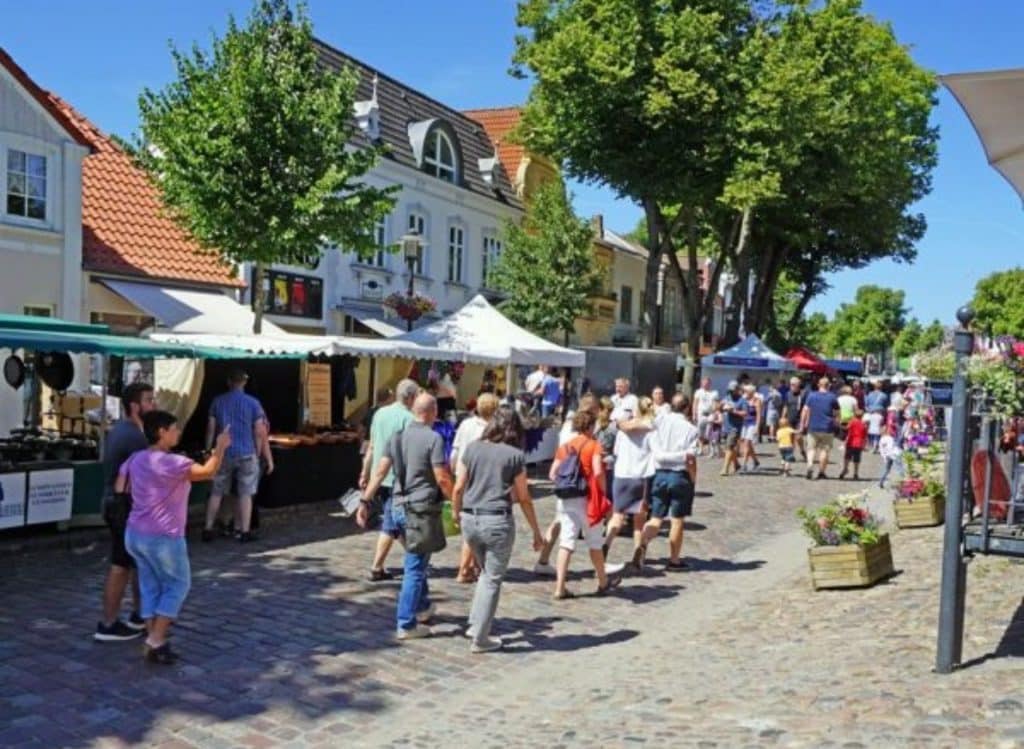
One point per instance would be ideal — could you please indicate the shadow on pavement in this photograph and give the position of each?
(1011, 645)
(567, 643)
(717, 564)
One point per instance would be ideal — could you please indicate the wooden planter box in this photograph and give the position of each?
(919, 512)
(850, 565)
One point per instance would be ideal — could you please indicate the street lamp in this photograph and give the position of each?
(412, 244)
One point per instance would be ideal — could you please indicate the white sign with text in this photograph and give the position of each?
(12, 500)
(50, 494)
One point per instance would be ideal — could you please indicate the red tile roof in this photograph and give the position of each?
(498, 123)
(125, 227)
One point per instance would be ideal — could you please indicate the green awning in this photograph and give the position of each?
(53, 324)
(93, 343)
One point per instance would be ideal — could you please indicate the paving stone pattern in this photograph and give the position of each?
(285, 645)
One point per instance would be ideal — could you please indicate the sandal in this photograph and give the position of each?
(377, 576)
(678, 566)
(565, 595)
(466, 579)
(614, 581)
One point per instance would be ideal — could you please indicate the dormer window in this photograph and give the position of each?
(368, 114)
(439, 156)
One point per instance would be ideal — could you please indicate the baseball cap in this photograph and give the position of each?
(733, 384)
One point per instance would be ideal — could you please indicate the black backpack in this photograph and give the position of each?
(569, 478)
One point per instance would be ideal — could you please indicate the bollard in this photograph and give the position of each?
(954, 571)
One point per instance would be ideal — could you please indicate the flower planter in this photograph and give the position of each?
(850, 565)
(919, 512)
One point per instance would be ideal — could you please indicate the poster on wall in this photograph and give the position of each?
(49, 495)
(12, 500)
(293, 295)
(318, 394)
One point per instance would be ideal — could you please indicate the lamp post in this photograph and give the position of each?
(412, 243)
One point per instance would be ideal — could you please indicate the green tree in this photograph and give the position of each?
(727, 118)
(999, 303)
(932, 337)
(908, 342)
(546, 268)
(250, 146)
(868, 325)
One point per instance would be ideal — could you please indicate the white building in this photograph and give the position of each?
(454, 193)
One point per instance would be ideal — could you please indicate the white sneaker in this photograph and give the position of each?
(488, 646)
(613, 569)
(416, 633)
(546, 570)
(469, 634)
(427, 614)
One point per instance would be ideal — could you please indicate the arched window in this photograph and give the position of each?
(439, 156)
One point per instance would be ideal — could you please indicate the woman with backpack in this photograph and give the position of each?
(578, 475)
(491, 477)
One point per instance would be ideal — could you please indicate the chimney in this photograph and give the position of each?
(597, 223)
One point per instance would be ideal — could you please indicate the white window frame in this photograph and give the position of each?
(380, 238)
(491, 253)
(456, 253)
(436, 167)
(34, 147)
(417, 222)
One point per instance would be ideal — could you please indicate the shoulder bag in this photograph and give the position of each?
(424, 528)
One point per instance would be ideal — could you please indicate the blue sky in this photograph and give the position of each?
(100, 54)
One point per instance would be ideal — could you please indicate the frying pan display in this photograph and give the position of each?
(56, 370)
(14, 371)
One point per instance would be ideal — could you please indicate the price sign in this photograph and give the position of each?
(318, 394)
(49, 495)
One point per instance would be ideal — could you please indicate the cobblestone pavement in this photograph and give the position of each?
(284, 645)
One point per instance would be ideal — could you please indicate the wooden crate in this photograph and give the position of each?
(850, 565)
(920, 512)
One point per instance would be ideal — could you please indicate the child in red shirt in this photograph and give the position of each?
(856, 439)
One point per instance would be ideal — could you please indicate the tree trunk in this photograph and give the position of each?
(764, 292)
(259, 295)
(650, 311)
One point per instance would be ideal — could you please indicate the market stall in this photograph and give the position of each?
(50, 475)
(751, 357)
(807, 361)
(479, 334)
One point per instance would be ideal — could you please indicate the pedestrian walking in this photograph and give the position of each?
(470, 430)
(877, 401)
(705, 405)
(605, 435)
(124, 439)
(626, 404)
(892, 454)
(159, 482)
(792, 408)
(734, 416)
(634, 467)
(847, 407)
(818, 422)
(856, 440)
(785, 437)
(876, 424)
(491, 477)
(715, 433)
(772, 409)
(387, 422)
(582, 513)
(241, 467)
(422, 482)
(751, 428)
(674, 444)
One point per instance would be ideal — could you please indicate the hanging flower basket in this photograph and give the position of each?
(410, 307)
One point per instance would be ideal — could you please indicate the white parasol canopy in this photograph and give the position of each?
(994, 102)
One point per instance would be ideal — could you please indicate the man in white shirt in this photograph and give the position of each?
(535, 379)
(661, 406)
(625, 404)
(705, 401)
(674, 447)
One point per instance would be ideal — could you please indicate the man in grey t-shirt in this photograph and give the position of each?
(419, 450)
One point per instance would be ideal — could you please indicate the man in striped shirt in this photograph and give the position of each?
(241, 465)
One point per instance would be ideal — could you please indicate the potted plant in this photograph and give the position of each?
(410, 307)
(920, 499)
(849, 550)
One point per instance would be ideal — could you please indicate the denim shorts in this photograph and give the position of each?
(389, 526)
(671, 494)
(787, 455)
(243, 473)
(163, 570)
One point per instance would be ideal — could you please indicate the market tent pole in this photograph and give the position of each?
(508, 378)
(102, 439)
(371, 395)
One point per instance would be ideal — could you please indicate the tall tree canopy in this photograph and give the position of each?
(546, 267)
(999, 303)
(250, 146)
(908, 342)
(767, 138)
(869, 324)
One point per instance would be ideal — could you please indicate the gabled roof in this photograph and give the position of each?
(42, 97)
(401, 105)
(498, 123)
(125, 226)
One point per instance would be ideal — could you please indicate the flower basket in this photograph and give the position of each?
(410, 307)
(920, 500)
(919, 512)
(849, 551)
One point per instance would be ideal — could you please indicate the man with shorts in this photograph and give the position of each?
(241, 465)
(387, 422)
(734, 409)
(818, 422)
(705, 401)
(123, 440)
(674, 448)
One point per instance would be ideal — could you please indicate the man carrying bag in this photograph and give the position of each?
(422, 483)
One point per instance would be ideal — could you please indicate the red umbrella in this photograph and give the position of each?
(807, 360)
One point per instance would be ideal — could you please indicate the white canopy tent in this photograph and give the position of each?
(994, 102)
(750, 356)
(289, 344)
(480, 334)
